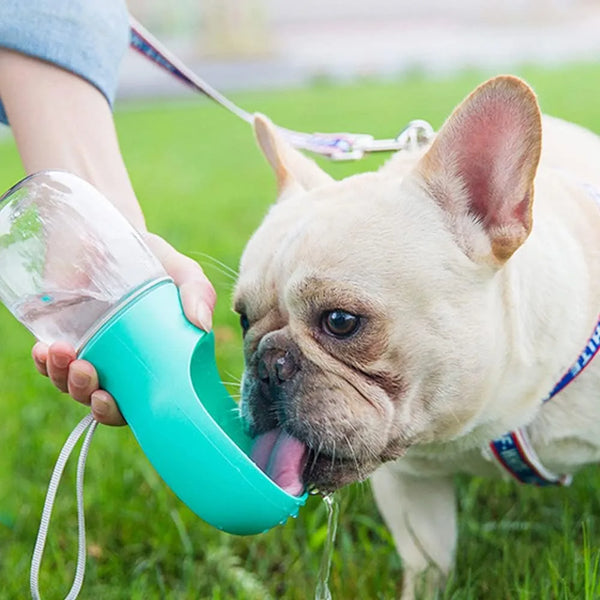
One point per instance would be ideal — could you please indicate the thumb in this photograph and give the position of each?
(197, 293)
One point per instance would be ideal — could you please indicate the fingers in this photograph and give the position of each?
(78, 378)
(198, 300)
(39, 354)
(60, 356)
(82, 381)
(197, 293)
(82, 384)
(105, 410)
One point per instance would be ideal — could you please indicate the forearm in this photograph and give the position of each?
(61, 121)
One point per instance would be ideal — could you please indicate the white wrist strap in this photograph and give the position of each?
(36, 560)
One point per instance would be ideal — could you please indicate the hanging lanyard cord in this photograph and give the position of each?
(87, 423)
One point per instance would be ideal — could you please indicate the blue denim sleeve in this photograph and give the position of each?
(87, 37)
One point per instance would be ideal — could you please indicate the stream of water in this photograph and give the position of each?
(333, 509)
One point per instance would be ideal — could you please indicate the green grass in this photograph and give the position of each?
(204, 186)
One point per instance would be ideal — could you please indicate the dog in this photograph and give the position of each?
(395, 322)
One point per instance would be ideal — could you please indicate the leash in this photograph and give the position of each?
(336, 146)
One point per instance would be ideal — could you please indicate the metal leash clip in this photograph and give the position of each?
(416, 134)
(351, 146)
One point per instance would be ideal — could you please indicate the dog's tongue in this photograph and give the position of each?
(282, 458)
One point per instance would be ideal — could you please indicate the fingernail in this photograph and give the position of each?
(61, 361)
(40, 352)
(100, 406)
(80, 379)
(204, 316)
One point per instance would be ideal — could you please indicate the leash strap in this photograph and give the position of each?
(148, 46)
(88, 423)
(514, 450)
(336, 146)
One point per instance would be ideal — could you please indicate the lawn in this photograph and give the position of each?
(204, 186)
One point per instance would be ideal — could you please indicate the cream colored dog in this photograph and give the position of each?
(395, 322)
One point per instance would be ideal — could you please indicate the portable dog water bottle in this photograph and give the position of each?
(73, 269)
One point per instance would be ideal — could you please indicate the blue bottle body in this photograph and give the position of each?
(162, 373)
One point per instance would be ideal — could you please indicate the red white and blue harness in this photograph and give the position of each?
(513, 450)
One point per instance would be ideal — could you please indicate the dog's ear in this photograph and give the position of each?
(481, 166)
(293, 170)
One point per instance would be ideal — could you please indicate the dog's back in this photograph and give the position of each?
(571, 148)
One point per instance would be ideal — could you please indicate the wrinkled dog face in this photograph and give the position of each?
(361, 300)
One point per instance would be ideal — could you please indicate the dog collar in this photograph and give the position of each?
(514, 451)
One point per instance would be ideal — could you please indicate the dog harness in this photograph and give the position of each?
(513, 451)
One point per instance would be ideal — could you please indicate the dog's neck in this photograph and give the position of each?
(548, 312)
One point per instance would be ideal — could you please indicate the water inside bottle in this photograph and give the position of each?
(60, 315)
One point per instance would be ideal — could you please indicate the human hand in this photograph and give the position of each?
(73, 130)
(80, 379)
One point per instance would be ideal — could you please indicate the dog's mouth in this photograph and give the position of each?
(283, 458)
(294, 466)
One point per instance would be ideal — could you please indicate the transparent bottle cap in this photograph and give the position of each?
(68, 257)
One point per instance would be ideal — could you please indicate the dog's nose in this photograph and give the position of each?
(276, 366)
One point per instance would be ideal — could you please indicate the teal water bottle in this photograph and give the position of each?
(73, 269)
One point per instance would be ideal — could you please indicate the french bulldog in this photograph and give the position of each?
(395, 322)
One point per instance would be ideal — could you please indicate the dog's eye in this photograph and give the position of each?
(339, 323)
(244, 323)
